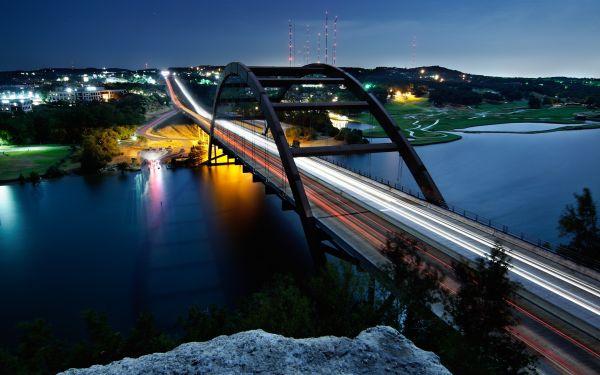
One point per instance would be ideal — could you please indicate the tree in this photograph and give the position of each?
(351, 136)
(548, 100)
(281, 308)
(483, 316)
(194, 155)
(415, 284)
(98, 148)
(592, 101)
(534, 102)
(34, 177)
(344, 301)
(122, 166)
(462, 95)
(581, 225)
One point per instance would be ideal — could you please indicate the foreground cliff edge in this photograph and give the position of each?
(375, 350)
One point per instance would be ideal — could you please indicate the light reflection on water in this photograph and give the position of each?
(158, 240)
(8, 212)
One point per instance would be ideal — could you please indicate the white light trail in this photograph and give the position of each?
(391, 205)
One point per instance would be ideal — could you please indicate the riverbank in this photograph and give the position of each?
(425, 123)
(25, 160)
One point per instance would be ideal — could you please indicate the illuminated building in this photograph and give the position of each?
(10, 105)
(84, 94)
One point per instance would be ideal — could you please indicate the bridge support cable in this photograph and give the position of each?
(407, 153)
(280, 80)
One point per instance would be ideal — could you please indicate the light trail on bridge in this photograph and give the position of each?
(392, 206)
(324, 182)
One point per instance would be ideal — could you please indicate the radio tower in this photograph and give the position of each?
(294, 43)
(319, 48)
(290, 42)
(307, 46)
(334, 38)
(326, 36)
(413, 52)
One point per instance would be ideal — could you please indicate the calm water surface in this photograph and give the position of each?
(158, 241)
(516, 127)
(523, 181)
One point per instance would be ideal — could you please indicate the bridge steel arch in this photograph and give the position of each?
(257, 78)
(246, 75)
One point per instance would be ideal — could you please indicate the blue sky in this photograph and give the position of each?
(506, 38)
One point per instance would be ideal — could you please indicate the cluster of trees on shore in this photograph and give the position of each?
(466, 89)
(463, 95)
(579, 224)
(335, 301)
(95, 126)
(66, 124)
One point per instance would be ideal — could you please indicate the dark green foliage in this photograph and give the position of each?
(54, 172)
(548, 100)
(205, 94)
(534, 102)
(309, 122)
(333, 131)
(281, 308)
(512, 92)
(318, 120)
(68, 124)
(105, 344)
(380, 93)
(593, 101)
(462, 95)
(492, 98)
(43, 352)
(297, 133)
(338, 300)
(34, 177)
(512, 89)
(581, 225)
(204, 324)
(146, 338)
(345, 304)
(98, 148)
(483, 316)
(416, 284)
(194, 156)
(122, 167)
(351, 136)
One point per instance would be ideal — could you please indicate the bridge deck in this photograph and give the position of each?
(352, 202)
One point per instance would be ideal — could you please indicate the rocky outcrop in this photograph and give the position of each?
(374, 351)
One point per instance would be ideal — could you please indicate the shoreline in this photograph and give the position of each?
(110, 168)
(566, 127)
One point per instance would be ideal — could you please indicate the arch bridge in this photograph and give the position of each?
(354, 215)
(262, 91)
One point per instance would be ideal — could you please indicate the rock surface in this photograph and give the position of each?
(374, 351)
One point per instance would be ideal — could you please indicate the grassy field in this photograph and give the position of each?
(16, 159)
(425, 123)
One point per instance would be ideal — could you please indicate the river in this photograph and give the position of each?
(522, 181)
(159, 241)
(162, 240)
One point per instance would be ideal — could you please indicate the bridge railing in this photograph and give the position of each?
(493, 224)
(451, 207)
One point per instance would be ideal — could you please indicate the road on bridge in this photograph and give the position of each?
(363, 212)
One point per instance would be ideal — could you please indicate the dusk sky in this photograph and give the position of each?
(504, 38)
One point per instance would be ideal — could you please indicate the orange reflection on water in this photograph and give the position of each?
(235, 190)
